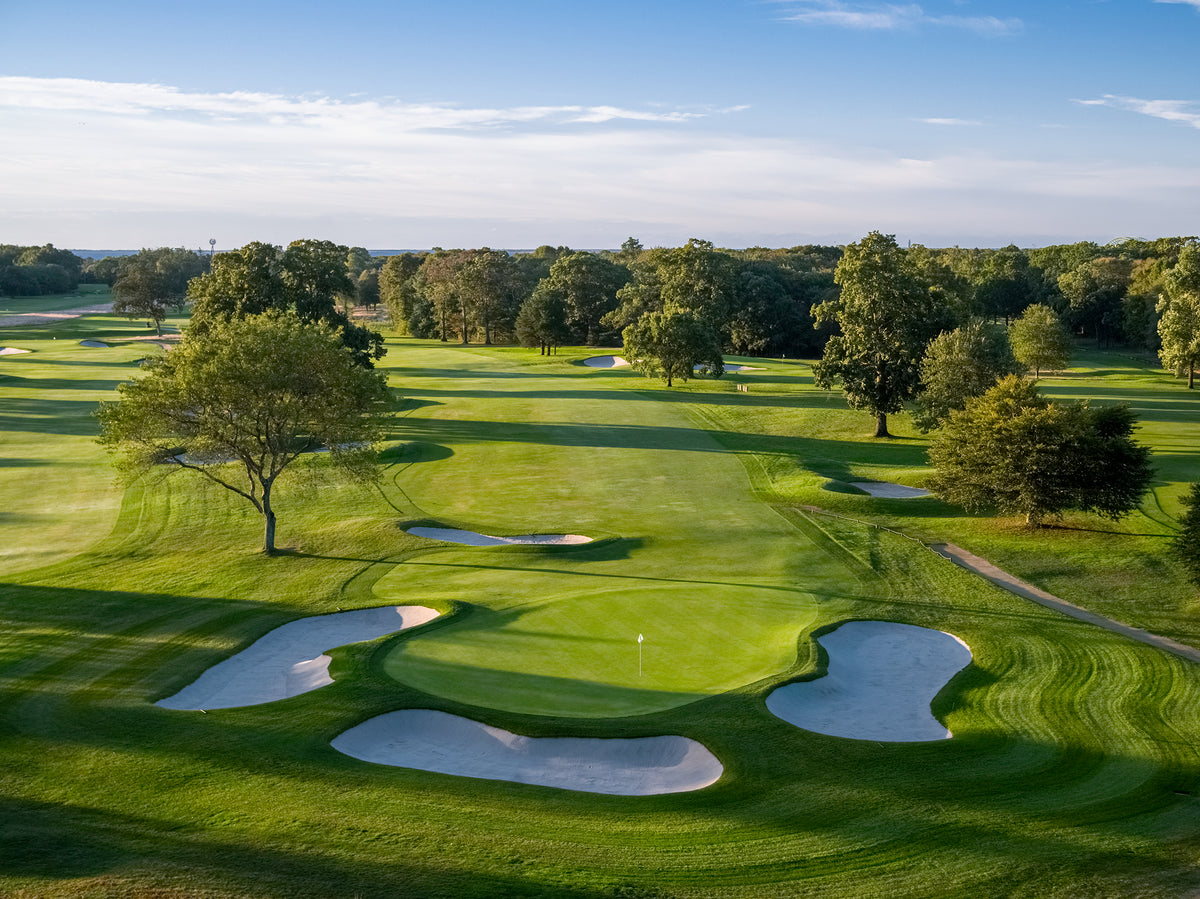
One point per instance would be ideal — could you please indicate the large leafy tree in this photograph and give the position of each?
(309, 277)
(1094, 291)
(239, 402)
(886, 316)
(397, 291)
(672, 344)
(1039, 340)
(488, 285)
(542, 321)
(587, 284)
(959, 365)
(152, 282)
(1179, 324)
(1013, 450)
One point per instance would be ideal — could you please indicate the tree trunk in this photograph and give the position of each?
(1191, 374)
(881, 425)
(158, 327)
(269, 517)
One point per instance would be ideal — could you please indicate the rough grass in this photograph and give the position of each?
(1073, 770)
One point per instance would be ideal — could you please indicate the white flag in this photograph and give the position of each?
(640, 638)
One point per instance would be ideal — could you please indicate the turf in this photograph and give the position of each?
(1073, 770)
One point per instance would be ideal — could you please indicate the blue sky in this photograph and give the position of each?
(745, 122)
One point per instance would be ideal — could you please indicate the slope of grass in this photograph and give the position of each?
(1073, 770)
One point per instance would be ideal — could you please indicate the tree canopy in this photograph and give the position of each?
(672, 344)
(1013, 450)
(239, 401)
(1039, 340)
(886, 316)
(1179, 326)
(959, 365)
(152, 282)
(309, 277)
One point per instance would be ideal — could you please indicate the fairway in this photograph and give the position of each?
(559, 632)
(1073, 768)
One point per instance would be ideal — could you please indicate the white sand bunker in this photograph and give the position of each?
(605, 362)
(889, 491)
(447, 744)
(882, 677)
(12, 351)
(94, 344)
(734, 367)
(470, 538)
(290, 660)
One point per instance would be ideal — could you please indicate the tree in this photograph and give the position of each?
(397, 291)
(1187, 544)
(672, 344)
(152, 282)
(486, 286)
(588, 285)
(309, 277)
(1179, 324)
(1013, 450)
(959, 365)
(239, 402)
(1039, 340)
(886, 316)
(542, 321)
(1094, 291)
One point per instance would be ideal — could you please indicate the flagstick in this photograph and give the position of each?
(640, 639)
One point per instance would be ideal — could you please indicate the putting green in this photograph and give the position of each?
(554, 631)
(577, 654)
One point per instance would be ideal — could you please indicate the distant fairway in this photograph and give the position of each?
(1073, 769)
(558, 634)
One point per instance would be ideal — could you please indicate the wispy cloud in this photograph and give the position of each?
(1185, 112)
(163, 101)
(891, 17)
(951, 122)
(153, 165)
(1195, 3)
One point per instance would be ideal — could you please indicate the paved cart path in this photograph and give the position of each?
(1003, 579)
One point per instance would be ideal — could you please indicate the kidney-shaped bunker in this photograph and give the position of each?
(882, 677)
(436, 741)
(290, 660)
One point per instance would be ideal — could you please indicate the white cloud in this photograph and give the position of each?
(950, 122)
(1185, 112)
(1195, 3)
(93, 164)
(890, 17)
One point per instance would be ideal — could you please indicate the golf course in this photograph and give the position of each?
(705, 544)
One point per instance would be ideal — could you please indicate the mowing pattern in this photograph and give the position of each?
(1073, 770)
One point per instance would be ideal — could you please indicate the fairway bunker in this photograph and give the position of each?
(889, 491)
(470, 538)
(605, 362)
(435, 741)
(12, 351)
(291, 659)
(94, 344)
(881, 679)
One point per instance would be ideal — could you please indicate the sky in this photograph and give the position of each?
(456, 123)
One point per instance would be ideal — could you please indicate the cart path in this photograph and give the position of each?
(1006, 581)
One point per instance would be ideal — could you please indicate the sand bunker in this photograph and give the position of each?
(447, 744)
(12, 351)
(470, 538)
(734, 367)
(605, 362)
(882, 677)
(290, 660)
(94, 344)
(889, 491)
